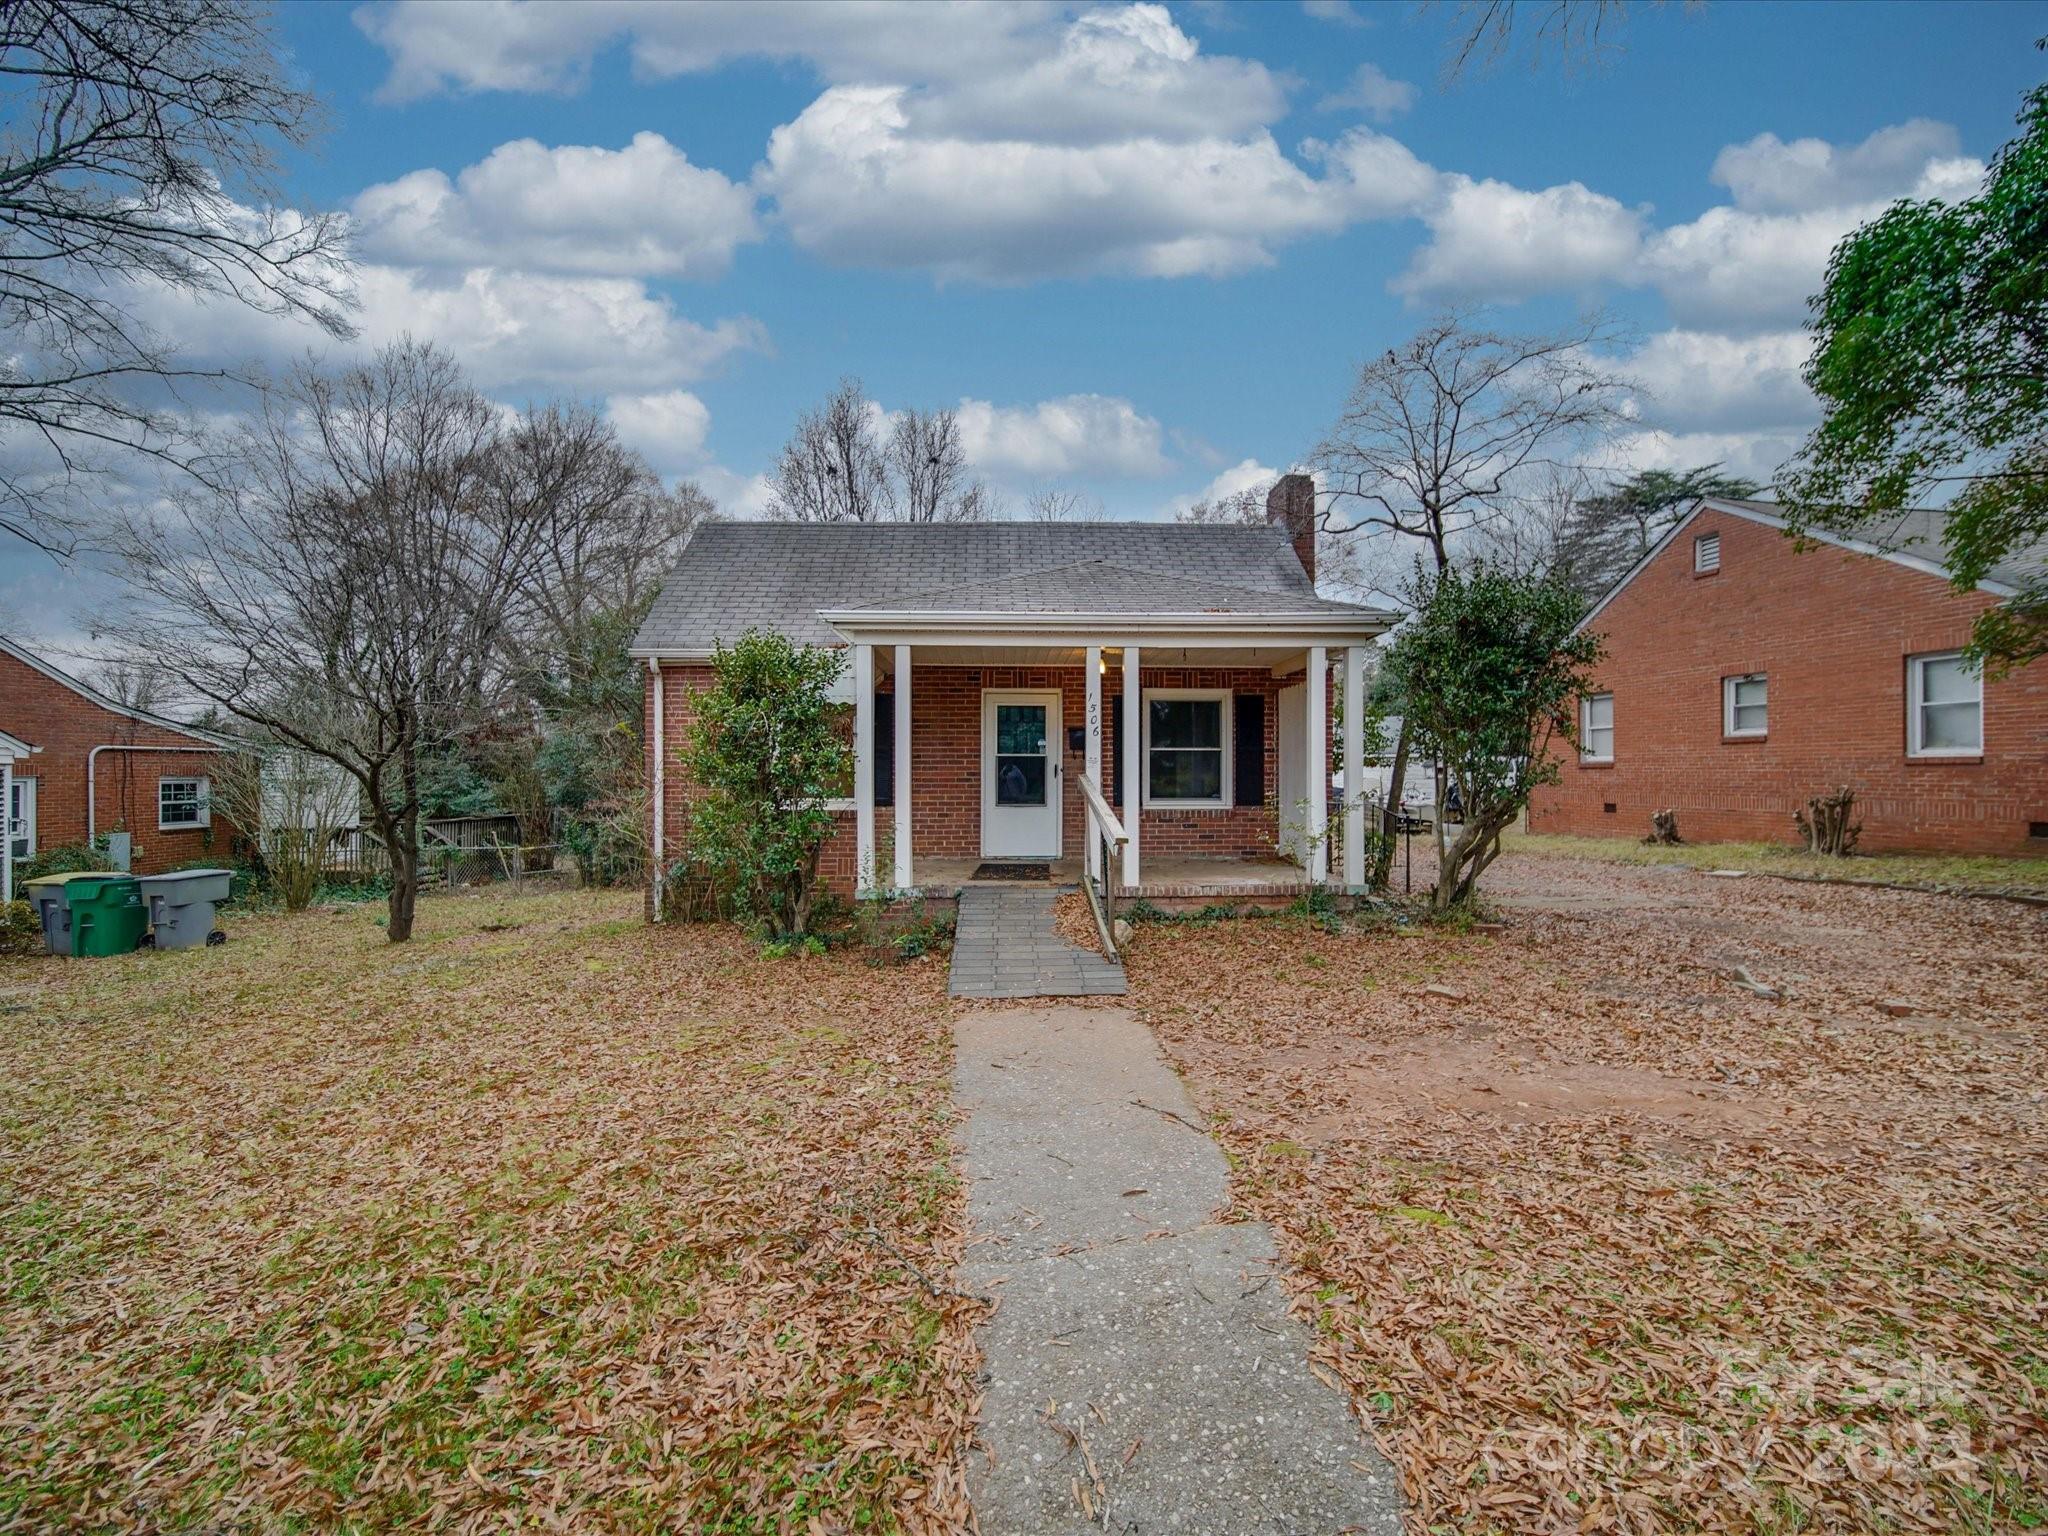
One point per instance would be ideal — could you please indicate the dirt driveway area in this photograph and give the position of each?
(1676, 1203)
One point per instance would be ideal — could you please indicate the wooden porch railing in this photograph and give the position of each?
(1106, 839)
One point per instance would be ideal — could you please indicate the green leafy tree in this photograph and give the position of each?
(1605, 534)
(767, 753)
(1491, 670)
(1931, 364)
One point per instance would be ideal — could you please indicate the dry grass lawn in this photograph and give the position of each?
(545, 1221)
(1601, 1239)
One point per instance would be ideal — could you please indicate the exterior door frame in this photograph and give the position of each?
(25, 788)
(1056, 784)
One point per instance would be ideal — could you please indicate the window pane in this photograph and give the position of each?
(1749, 690)
(1598, 742)
(1749, 717)
(1951, 727)
(1184, 775)
(1943, 681)
(1020, 780)
(1187, 723)
(1020, 728)
(1600, 712)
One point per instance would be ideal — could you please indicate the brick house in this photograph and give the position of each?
(992, 667)
(1744, 674)
(91, 764)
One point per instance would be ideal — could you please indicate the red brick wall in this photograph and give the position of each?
(67, 726)
(946, 763)
(1832, 631)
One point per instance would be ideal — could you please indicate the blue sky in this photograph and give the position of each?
(1141, 249)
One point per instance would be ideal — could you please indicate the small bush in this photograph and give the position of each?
(61, 859)
(20, 933)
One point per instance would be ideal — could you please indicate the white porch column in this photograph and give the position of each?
(863, 768)
(1354, 768)
(1091, 663)
(1133, 765)
(1316, 750)
(903, 876)
(6, 830)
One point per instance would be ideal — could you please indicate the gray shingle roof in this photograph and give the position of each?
(735, 576)
(1917, 531)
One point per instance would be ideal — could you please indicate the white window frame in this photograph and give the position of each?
(1586, 753)
(1728, 727)
(1222, 699)
(1916, 672)
(24, 787)
(202, 802)
(1702, 543)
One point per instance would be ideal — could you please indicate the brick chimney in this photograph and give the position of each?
(1292, 504)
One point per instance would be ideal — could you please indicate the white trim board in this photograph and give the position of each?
(1750, 514)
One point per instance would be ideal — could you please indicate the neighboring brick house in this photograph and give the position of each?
(94, 765)
(1744, 674)
(1018, 645)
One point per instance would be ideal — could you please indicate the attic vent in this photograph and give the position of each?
(1706, 553)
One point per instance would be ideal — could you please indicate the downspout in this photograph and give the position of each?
(92, 776)
(660, 782)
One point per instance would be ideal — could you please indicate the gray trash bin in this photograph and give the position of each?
(52, 901)
(181, 905)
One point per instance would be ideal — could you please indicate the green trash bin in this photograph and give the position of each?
(107, 914)
(50, 895)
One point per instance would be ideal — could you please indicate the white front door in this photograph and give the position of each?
(21, 818)
(1290, 792)
(1020, 775)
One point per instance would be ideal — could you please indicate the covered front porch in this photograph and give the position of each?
(1171, 758)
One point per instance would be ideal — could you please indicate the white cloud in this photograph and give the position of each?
(1697, 381)
(1769, 175)
(1733, 268)
(641, 210)
(1373, 91)
(1752, 455)
(547, 46)
(854, 183)
(507, 328)
(1244, 475)
(736, 495)
(1073, 435)
(1342, 12)
(668, 426)
(1492, 241)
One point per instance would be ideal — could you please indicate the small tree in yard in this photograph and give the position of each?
(1491, 670)
(767, 754)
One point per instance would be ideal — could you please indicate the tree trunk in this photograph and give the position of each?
(405, 853)
(1383, 856)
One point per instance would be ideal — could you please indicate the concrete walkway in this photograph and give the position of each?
(1143, 1374)
(1005, 945)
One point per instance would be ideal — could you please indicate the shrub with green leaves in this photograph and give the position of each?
(20, 932)
(1492, 671)
(765, 754)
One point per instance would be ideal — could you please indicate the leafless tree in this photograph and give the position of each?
(138, 143)
(350, 585)
(1442, 435)
(1060, 507)
(834, 468)
(292, 806)
(1245, 506)
(932, 481)
(1537, 533)
(840, 466)
(1579, 31)
(610, 532)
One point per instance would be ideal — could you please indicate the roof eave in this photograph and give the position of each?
(1365, 621)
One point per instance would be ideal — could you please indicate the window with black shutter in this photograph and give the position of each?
(1248, 744)
(1116, 750)
(885, 749)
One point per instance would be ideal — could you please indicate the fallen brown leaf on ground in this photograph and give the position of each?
(583, 1226)
(1608, 1241)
